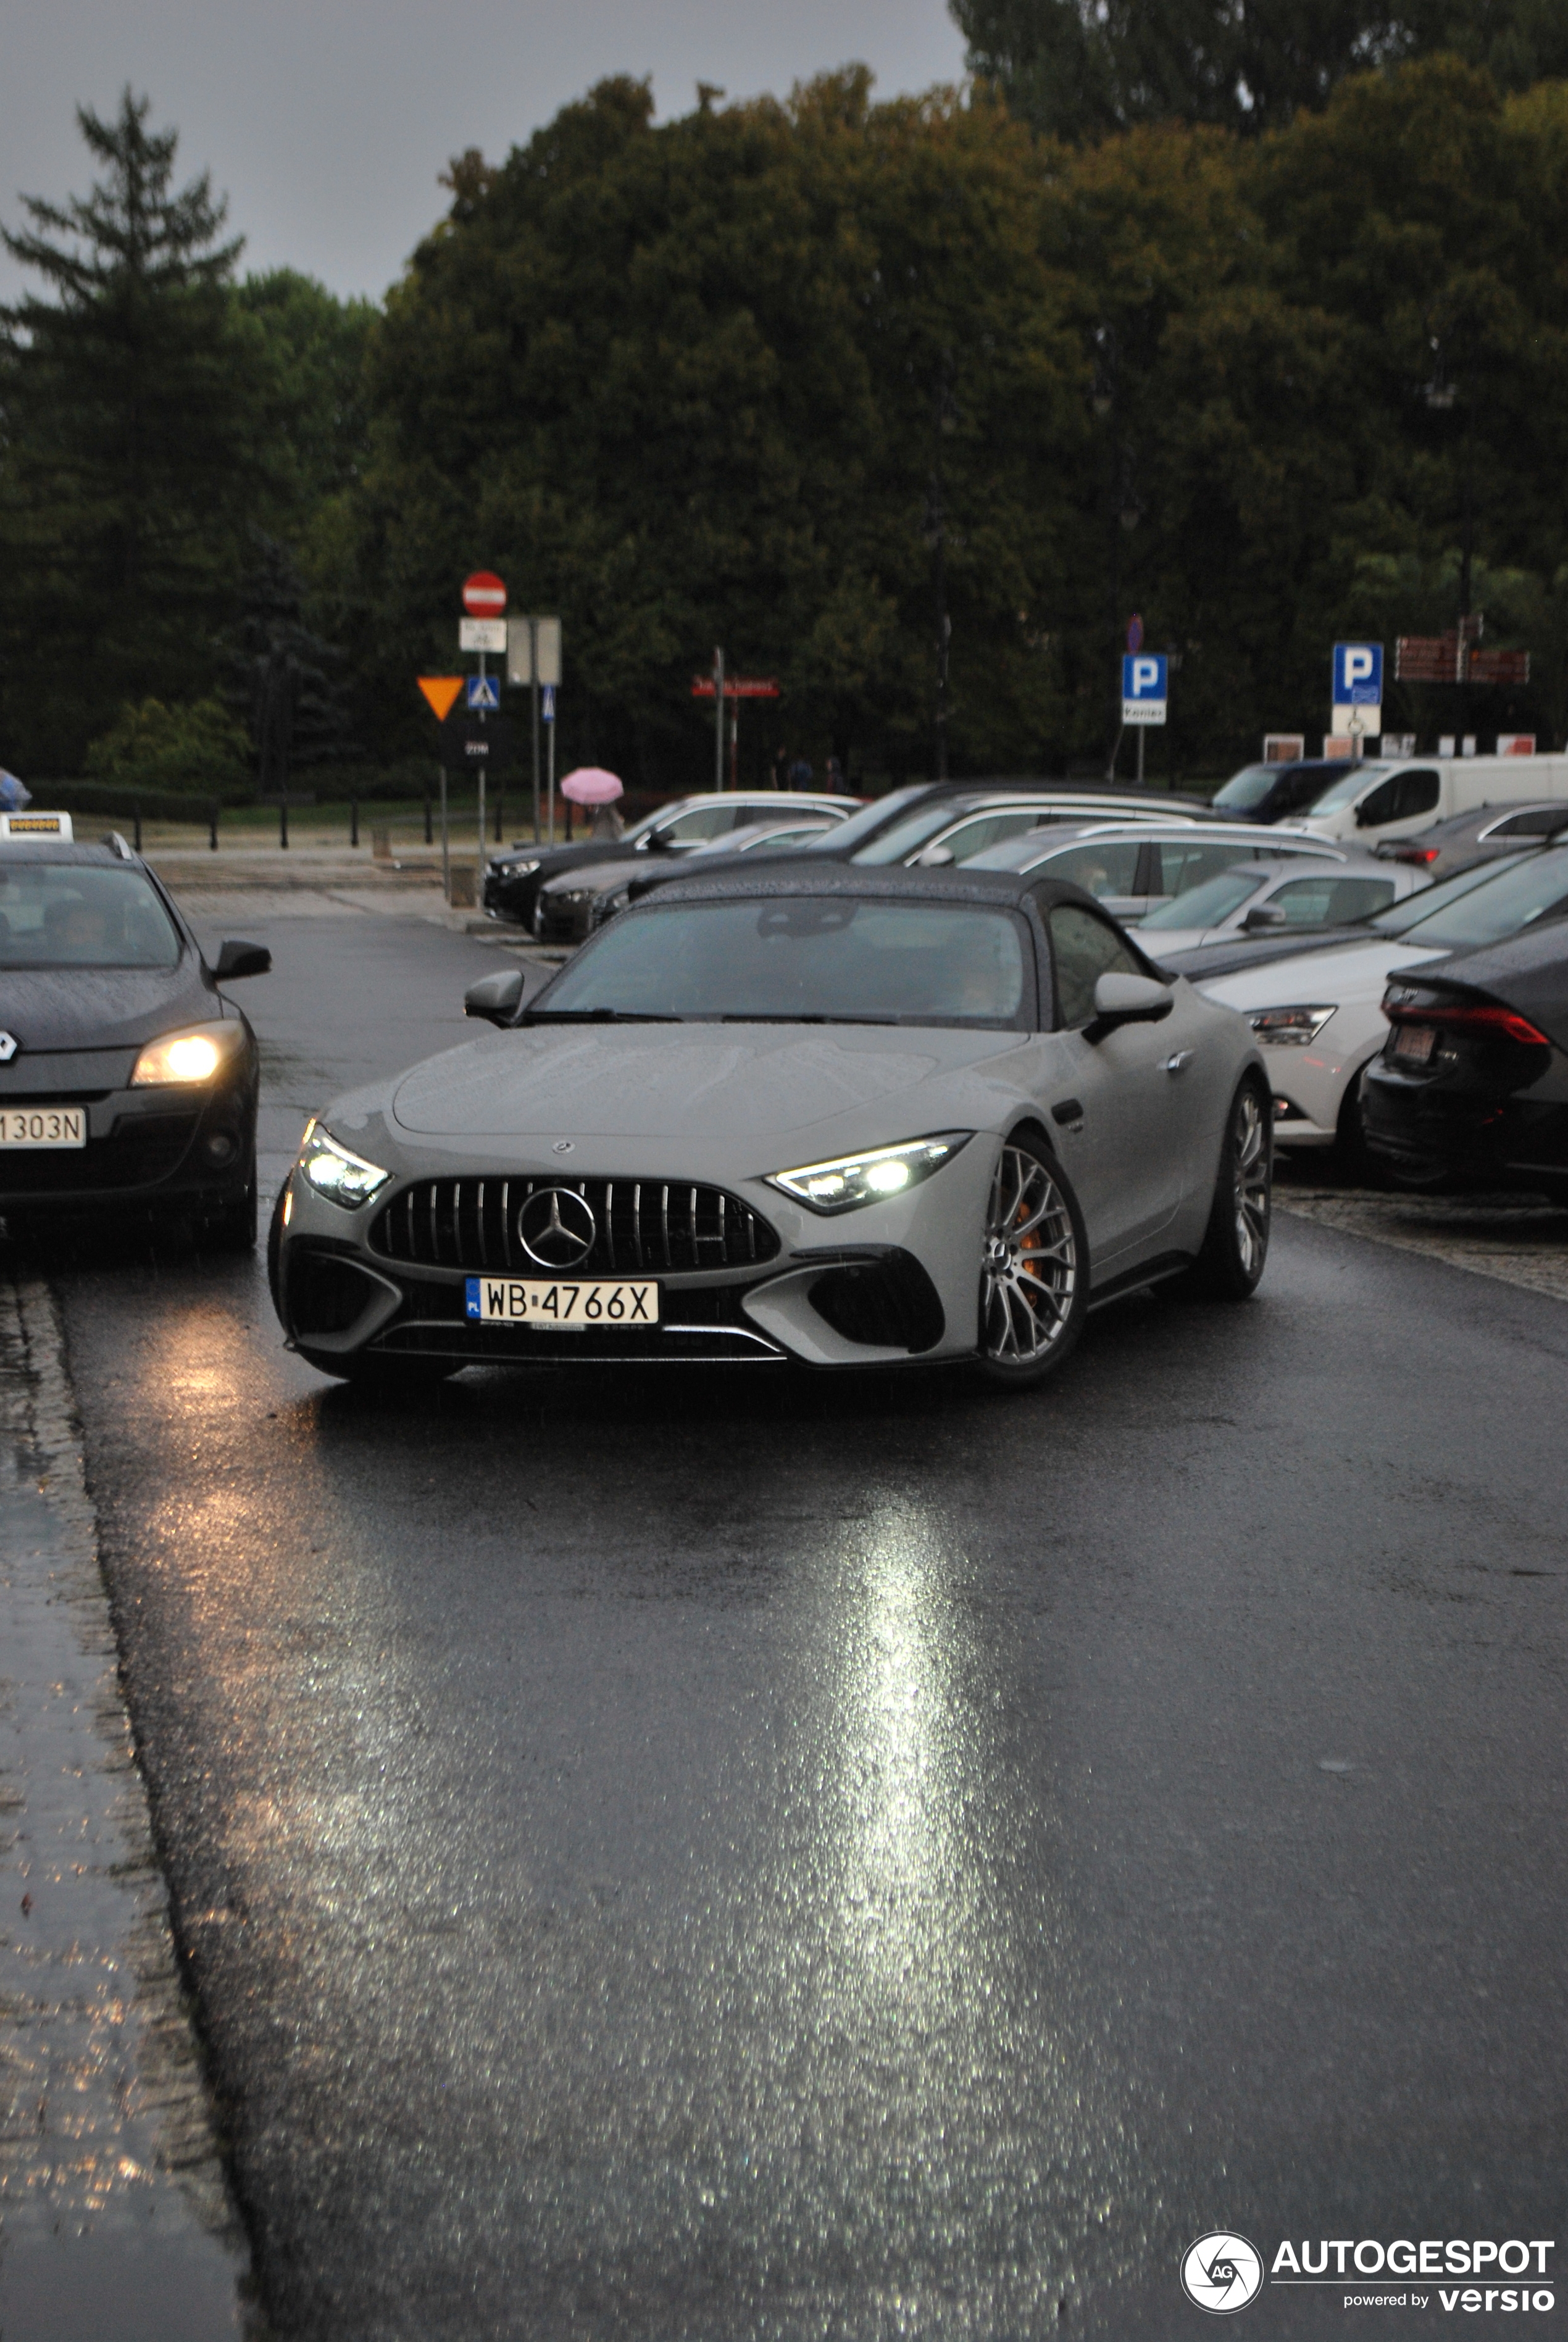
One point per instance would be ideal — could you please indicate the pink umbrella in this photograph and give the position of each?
(591, 785)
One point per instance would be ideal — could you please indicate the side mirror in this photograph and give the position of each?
(1261, 917)
(659, 841)
(1126, 1000)
(934, 857)
(496, 998)
(241, 959)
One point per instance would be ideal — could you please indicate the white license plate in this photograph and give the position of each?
(1415, 1041)
(43, 1126)
(562, 1307)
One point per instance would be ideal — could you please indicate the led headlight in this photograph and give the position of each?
(516, 869)
(193, 1054)
(869, 1178)
(1288, 1029)
(335, 1172)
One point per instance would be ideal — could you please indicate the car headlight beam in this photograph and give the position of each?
(193, 1054)
(874, 1177)
(336, 1172)
(1289, 1028)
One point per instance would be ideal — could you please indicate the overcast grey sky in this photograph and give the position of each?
(327, 121)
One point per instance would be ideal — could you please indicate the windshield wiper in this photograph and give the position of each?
(596, 1017)
(780, 1017)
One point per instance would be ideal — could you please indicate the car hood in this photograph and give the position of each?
(602, 876)
(687, 1082)
(62, 1009)
(1348, 973)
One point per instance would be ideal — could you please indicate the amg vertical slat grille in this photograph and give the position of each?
(642, 1225)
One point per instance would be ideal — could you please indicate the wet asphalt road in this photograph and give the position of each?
(736, 1857)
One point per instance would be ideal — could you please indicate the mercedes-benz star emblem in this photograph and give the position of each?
(9, 1044)
(556, 1228)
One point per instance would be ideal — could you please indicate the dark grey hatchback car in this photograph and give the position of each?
(127, 1082)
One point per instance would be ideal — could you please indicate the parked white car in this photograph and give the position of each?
(1388, 797)
(1299, 895)
(1317, 1015)
(1132, 869)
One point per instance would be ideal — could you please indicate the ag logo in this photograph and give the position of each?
(1222, 2272)
(557, 1228)
(9, 1044)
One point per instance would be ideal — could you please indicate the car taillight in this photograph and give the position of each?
(1479, 1020)
(1421, 854)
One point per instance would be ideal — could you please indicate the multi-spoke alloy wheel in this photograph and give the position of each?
(1237, 1243)
(1034, 1268)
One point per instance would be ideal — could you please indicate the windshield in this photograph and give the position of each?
(848, 834)
(825, 958)
(1344, 791)
(1205, 905)
(1400, 917)
(1517, 897)
(73, 914)
(1248, 787)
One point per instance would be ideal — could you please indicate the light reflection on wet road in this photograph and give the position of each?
(718, 1858)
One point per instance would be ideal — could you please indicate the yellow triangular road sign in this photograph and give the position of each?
(441, 690)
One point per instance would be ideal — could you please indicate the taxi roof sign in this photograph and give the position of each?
(37, 824)
(441, 690)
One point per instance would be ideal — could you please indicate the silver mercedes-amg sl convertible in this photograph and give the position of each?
(833, 1116)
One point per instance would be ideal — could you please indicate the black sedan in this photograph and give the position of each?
(127, 1079)
(1473, 1081)
(513, 881)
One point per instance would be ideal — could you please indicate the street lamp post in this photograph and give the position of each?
(1125, 506)
(1440, 393)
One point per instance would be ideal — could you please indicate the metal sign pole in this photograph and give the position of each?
(533, 677)
(1142, 730)
(552, 780)
(718, 719)
(446, 852)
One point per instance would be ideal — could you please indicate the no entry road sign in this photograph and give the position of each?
(484, 595)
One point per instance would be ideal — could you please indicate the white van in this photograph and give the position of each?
(1395, 797)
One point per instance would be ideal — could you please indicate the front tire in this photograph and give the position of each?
(1034, 1268)
(1236, 1243)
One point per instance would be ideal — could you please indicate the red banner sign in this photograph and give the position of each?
(738, 686)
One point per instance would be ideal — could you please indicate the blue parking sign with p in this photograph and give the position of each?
(1144, 687)
(1358, 674)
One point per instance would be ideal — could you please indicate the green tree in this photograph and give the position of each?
(1084, 68)
(128, 455)
(693, 384)
(196, 747)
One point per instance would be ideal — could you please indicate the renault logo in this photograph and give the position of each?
(556, 1228)
(9, 1044)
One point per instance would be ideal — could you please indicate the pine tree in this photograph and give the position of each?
(127, 461)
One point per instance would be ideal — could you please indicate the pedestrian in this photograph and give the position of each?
(835, 778)
(799, 773)
(607, 823)
(778, 771)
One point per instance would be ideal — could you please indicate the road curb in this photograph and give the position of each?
(115, 2212)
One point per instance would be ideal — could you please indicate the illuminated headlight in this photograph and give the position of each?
(869, 1178)
(183, 1059)
(333, 1172)
(516, 869)
(1288, 1029)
